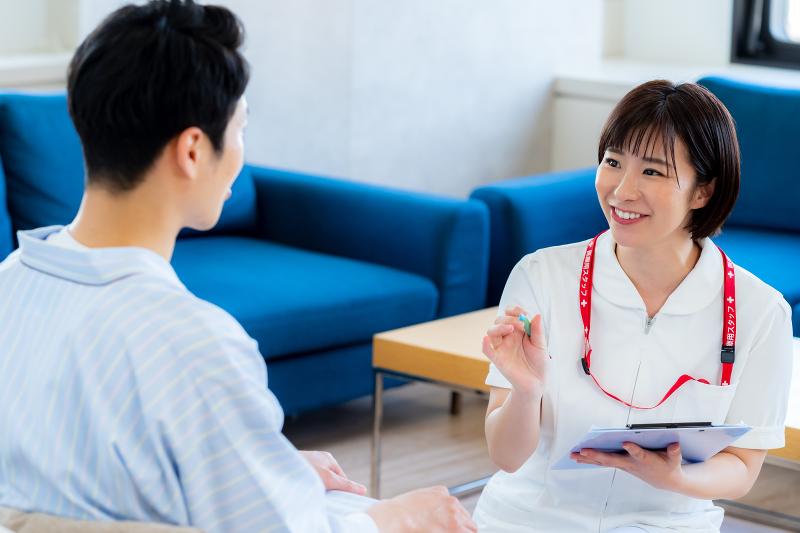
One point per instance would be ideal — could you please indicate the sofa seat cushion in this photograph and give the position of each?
(43, 161)
(6, 240)
(767, 254)
(293, 301)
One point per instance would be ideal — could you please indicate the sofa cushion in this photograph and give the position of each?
(292, 300)
(6, 241)
(42, 158)
(768, 131)
(44, 166)
(767, 255)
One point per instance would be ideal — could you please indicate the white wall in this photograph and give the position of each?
(678, 40)
(686, 32)
(435, 96)
(37, 26)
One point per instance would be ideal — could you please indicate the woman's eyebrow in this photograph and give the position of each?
(655, 160)
(620, 151)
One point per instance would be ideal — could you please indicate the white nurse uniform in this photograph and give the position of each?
(637, 359)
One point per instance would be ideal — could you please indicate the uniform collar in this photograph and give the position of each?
(93, 266)
(696, 291)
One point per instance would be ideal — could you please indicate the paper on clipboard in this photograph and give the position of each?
(697, 443)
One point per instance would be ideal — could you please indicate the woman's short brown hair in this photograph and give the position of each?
(689, 112)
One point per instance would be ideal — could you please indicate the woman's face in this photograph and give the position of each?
(644, 203)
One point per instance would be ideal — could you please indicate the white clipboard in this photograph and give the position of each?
(698, 443)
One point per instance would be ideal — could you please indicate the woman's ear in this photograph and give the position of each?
(187, 148)
(703, 193)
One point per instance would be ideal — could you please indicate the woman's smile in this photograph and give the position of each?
(626, 218)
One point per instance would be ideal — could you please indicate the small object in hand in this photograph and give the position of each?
(527, 323)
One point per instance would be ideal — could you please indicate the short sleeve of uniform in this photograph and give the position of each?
(518, 292)
(762, 396)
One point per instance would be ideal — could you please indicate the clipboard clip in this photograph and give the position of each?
(670, 425)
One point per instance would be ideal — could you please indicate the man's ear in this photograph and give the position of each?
(187, 148)
(703, 194)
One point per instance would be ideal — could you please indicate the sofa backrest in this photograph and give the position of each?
(6, 243)
(43, 163)
(768, 127)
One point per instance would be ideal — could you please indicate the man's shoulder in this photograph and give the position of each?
(170, 305)
(9, 263)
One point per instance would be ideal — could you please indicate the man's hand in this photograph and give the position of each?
(661, 469)
(430, 510)
(331, 474)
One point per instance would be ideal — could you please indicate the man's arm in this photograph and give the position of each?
(238, 472)
(220, 428)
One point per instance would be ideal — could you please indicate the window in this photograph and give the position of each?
(791, 20)
(766, 32)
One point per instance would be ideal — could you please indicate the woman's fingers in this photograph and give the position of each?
(511, 321)
(515, 311)
(578, 458)
(498, 332)
(488, 349)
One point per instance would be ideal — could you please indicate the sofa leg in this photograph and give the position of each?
(455, 403)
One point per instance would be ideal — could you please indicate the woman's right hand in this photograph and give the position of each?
(521, 359)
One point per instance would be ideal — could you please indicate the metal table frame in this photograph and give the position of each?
(377, 412)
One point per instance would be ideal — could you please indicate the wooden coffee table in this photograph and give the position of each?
(792, 449)
(445, 352)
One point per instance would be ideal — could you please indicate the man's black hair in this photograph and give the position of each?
(147, 73)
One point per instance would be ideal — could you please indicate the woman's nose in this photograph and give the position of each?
(627, 188)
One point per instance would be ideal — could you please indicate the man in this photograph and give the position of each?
(124, 397)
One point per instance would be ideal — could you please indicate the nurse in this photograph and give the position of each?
(630, 327)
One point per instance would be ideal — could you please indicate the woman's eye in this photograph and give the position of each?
(652, 172)
(612, 162)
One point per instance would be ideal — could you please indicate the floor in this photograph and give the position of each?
(424, 445)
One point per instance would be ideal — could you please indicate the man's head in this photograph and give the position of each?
(159, 86)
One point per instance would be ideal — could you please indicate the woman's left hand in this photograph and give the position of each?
(661, 469)
(331, 474)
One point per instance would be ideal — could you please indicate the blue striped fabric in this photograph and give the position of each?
(123, 396)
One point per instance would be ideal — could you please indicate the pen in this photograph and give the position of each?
(527, 324)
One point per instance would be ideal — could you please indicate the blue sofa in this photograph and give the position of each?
(762, 234)
(311, 267)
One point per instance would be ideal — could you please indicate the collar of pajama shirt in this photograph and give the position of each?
(98, 266)
(638, 364)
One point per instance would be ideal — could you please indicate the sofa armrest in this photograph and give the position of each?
(535, 212)
(445, 240)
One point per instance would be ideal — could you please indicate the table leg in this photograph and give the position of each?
(455, 402)
(377, 412)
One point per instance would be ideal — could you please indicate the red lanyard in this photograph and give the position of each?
(728, 326)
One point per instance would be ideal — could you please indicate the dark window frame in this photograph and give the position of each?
(752, 40)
